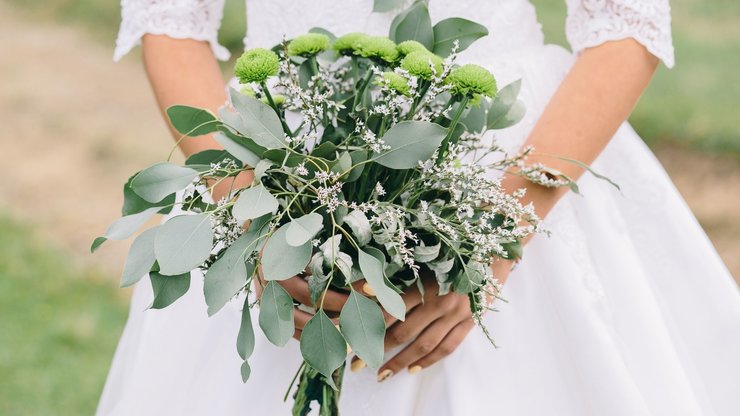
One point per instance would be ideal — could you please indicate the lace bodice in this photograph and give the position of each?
(512, 23)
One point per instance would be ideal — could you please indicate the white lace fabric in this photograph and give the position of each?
(179, 19)
(593, 22)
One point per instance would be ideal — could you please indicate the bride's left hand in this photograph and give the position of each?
(435, 327)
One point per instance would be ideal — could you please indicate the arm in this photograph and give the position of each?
(184, 71)
(595, 97)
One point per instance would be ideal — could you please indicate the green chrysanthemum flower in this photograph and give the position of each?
(377, 47)
(395, 82)
(347, 44)
(308, 45)
(408, 46)
(418, 64)
(472, 80)
(256, 65)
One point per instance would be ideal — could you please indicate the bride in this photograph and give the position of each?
(625, 310)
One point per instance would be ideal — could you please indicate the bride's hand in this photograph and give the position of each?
(435, 327)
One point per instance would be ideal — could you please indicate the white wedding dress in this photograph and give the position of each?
(625, 310)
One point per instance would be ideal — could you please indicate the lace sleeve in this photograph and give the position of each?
(180, 19)
(592, 22)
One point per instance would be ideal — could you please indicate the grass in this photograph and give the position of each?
(59, 327)
(694, 104)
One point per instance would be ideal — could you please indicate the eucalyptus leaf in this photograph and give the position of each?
(238, 148)
(245, 339)
(382, 6)
(261, 169)
(363, 326)
(424, 254)
(302, 229)
(228, 275)
(282, 261)
(284, 157)
(254, 202)
(203, 160)
(342, 165)
(159, 181)
(191, 121)
(506, 110)
(360, 226)
(246, 371)
(183, 243)
(410, 142)
(133, 203)
(140, 258)
(125, 227)
(447, 31)
(413, 24)
(358, 157)
(372, 269)
(258, 121)
(276, 314)
(168, 289)
(322, 345)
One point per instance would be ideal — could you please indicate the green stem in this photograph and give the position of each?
(274, 106)
(444, 147)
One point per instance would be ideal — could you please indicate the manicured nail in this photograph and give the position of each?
(385, 374)
(357, 365)
(367, 289)
(415, 369)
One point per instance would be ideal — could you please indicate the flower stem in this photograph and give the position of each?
(445, 146)
(274, 106)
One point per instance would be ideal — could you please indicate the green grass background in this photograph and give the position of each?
(60, 322)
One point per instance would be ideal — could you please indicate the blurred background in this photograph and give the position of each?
(75, 126)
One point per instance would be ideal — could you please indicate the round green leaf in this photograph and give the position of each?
(413, 24)
(238, 147)
(282, 261)
(410, 143)
(125, 227)
(183, 243)
(506, 110)
(159, 181)
(302, 229)
(371, 266)
(228, 275)
(254, 202)
(363, 325)
(192, 121)
(322, 345)
(140, 258)
(276, 314)
(447, 31)
(168, 289)
(257, 121)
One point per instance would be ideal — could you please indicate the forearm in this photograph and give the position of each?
(591, 103)
(184, 71)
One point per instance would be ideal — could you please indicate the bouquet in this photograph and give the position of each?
(367, 154)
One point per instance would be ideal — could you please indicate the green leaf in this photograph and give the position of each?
(240, 147)
(159, 181)
(302, 230)
(254, 202)
(228, 275)
(506, 110)
(246, 371)
(245, 339)
(424, 254)
(322, 345)
(282, 261)
(279, 156)
(363, 325)
(382, 6)
(358, 157)
(325, 150)
(124, 227)
(447, 31)
(183, 243)
(470, 278)
(371, 266)
(343, 164)
(133, 203)
(475, 119)
(202, 161)
(410, 142)
(168, 289)
(413, 24)
(276, 314)
(258, 121)
(191, 121)
(140, 258)
(360, 225)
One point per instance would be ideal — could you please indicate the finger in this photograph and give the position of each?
(404, 331)
(300, 318)
(423, 345)
(297, 288)
(411, 298)
(297, 334)
(448, 345)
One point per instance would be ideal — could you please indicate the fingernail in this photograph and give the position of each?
(357, 365)
(385, 374)
(367, 289)
(415, 369)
